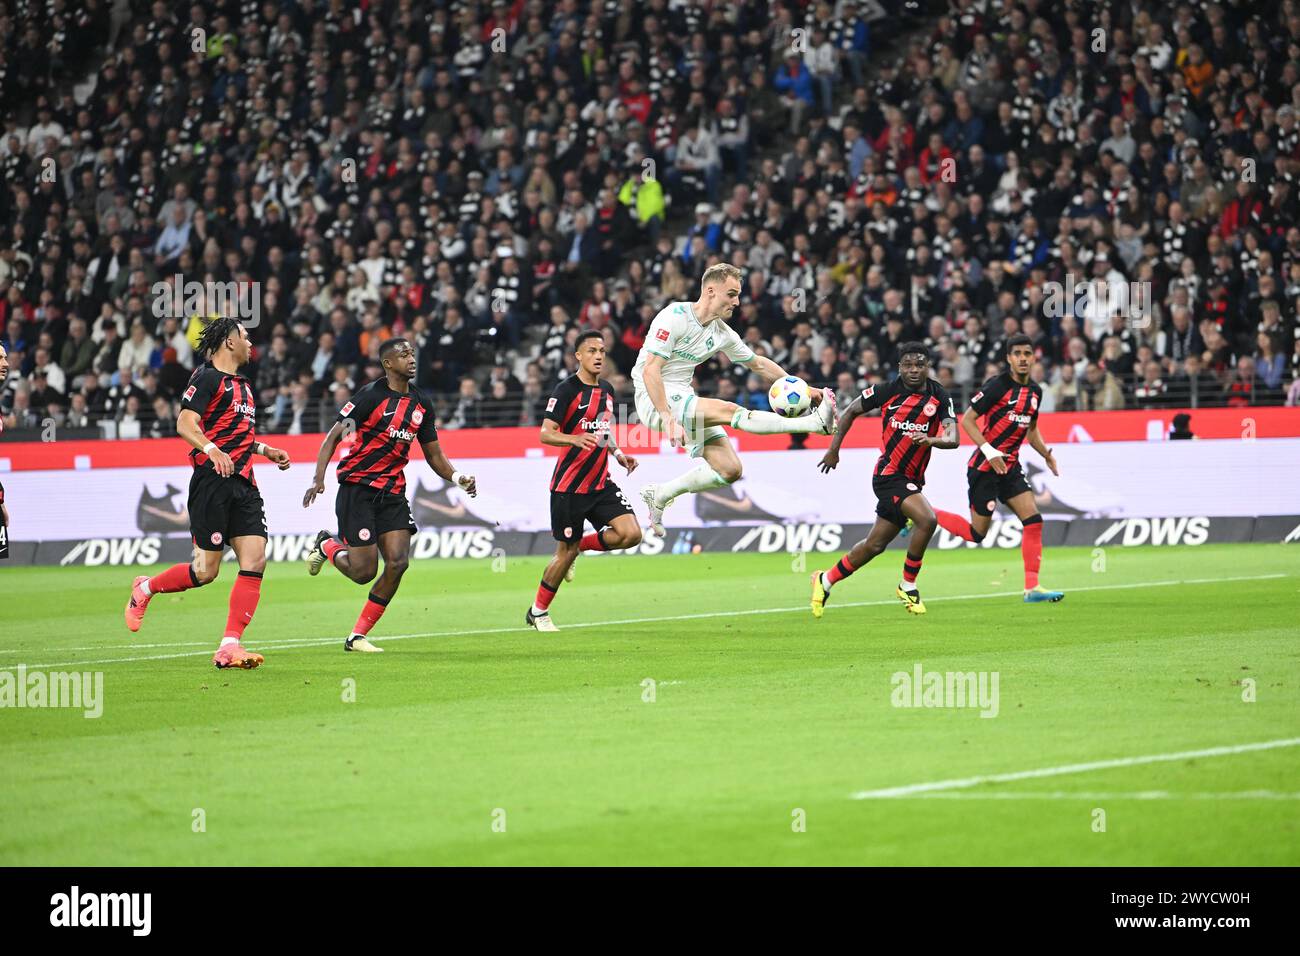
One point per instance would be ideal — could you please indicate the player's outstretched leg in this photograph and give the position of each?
(959, 526)
(882, 532)
(923, 519)
(820, 419)
(179, 577)
(244, 595)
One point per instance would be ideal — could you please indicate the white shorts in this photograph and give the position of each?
(682, 402)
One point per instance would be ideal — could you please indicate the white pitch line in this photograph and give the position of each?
(291, 643)
(917, 789)
(1102, 795)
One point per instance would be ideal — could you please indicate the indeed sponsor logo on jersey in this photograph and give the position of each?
(243, 409)
(909, 426)
(598, 425)
(401, 434)
(1020, 419)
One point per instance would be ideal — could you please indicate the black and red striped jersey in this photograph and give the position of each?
(227, 415)
(1007, 411)
(386, 422)
(578, 407)
(904, 413)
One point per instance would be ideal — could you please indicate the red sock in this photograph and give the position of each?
(544, 595)
(370, 614)
(1031, 550)
(911, 568)
(179, 577)
(243, 602)
(593, 542)
(331, 547)
(843, 568)
(956, 524)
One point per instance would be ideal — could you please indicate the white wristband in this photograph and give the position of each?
(456, 476)
(259, 448)
(207, 449)
(990, 452)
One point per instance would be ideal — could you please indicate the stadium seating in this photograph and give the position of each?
(489, 178)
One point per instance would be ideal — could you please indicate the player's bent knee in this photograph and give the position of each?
(617, 541)
(206, 575)
(730, 472)
(398, 565)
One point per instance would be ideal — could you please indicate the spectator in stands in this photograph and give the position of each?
(467, 413)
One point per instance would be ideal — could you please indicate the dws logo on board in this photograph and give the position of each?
(1161, 531)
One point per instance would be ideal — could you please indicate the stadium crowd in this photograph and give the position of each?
(488, 178)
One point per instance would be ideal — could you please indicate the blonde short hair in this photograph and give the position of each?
(719, 272)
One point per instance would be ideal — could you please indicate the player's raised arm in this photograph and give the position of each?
(189, 427)
(444, 469)
(769, 372)
(331, 442)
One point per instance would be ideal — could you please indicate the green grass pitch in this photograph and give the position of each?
(474, 740)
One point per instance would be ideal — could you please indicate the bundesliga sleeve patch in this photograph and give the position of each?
(869, 391)
(189, 394)
(550, 405)
(976, 397)
(346, 410)
(662, 335)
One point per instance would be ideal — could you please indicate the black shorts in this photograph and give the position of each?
(987, 488)
(569, 511)
(365, 513)
(891, 491)
(223, 508)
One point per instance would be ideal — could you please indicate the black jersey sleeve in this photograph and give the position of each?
(203, 386)
(874, 396)
(988, 394)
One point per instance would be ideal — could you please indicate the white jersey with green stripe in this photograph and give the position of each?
(677, 337)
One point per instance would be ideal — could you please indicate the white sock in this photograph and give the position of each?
(770, 423)
(229, 640)
(906, 586)
(144, 586)
(699, 478)
(826, 582)
(538, 611)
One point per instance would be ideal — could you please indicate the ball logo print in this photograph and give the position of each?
(789, 396)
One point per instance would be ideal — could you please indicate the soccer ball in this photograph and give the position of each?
(789, 396)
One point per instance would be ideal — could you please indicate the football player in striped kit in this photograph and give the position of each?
(374, 516)
(1003, 416)
(916, 415)
(217, 417)
(579, 419)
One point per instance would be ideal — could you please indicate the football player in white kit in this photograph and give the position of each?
(682, 336)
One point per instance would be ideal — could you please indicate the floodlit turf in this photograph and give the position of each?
(756, 716)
